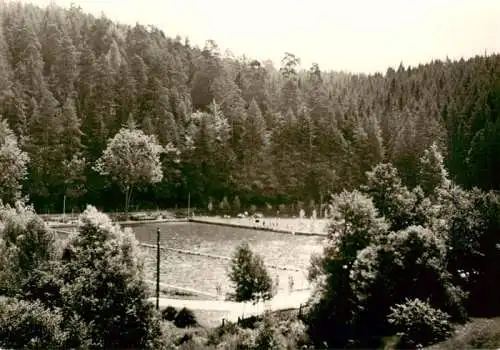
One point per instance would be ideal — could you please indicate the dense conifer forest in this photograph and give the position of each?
(234, 127)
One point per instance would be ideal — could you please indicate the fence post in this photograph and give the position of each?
(157, 268)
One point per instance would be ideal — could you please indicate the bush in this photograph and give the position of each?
(185, 318)
(169, 313)
(267, 336)
(217, 336)
(26, 244)
(184, 339)
(244, 339)
(29, 325)
(294, 332)
(419, 324)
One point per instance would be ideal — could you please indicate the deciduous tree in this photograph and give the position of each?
(131, 159)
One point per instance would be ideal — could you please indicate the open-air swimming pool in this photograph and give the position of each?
(204, 273)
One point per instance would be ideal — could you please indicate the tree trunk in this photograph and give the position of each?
(128, 196)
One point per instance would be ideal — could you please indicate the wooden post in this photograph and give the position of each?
(189, 203)
(158, 268)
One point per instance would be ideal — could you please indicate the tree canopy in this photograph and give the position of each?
(240, 127)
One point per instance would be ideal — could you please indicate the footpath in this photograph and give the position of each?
(231, 310)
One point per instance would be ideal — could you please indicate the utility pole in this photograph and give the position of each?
(157, 268)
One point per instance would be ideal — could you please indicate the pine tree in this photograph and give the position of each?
(432, 173)
(13, 162)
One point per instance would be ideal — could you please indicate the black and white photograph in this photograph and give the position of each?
(263, 175)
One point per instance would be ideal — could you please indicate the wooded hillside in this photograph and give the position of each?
(244, 128)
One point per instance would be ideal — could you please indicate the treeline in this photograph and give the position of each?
(69, 81)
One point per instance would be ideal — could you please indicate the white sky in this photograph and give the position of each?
(352, 35)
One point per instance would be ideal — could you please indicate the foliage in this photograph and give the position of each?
(29, 325)
(249, 276)
(244, 339)
(267, 337)
(398, 205)
(131, 158)
(479, 333)
(366, 269)
(13, 162)
(185, 318)
(106, 286)
(418, 324)
(432, 173)
(266, 332)
(355, 225)
(294, 331)
(472, 238)
(412, 264)
(276, 134)
(169, 313)
(216, 336)
(27, 248)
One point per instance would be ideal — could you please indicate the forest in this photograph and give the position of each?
(235, 127)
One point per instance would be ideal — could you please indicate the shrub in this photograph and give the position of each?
(185, 318)
(294, 331)
(268, 337)
(29, 325)
(419, 324)
(184, 339)
(169, 313)
(194, 343)
(216, 337)
(244, 339)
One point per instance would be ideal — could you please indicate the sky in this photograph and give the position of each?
(351, 35)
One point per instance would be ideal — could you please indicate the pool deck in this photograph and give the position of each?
(123, 223)
(231, 310)
(294, 226)
(261, 225)
(182, 289)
